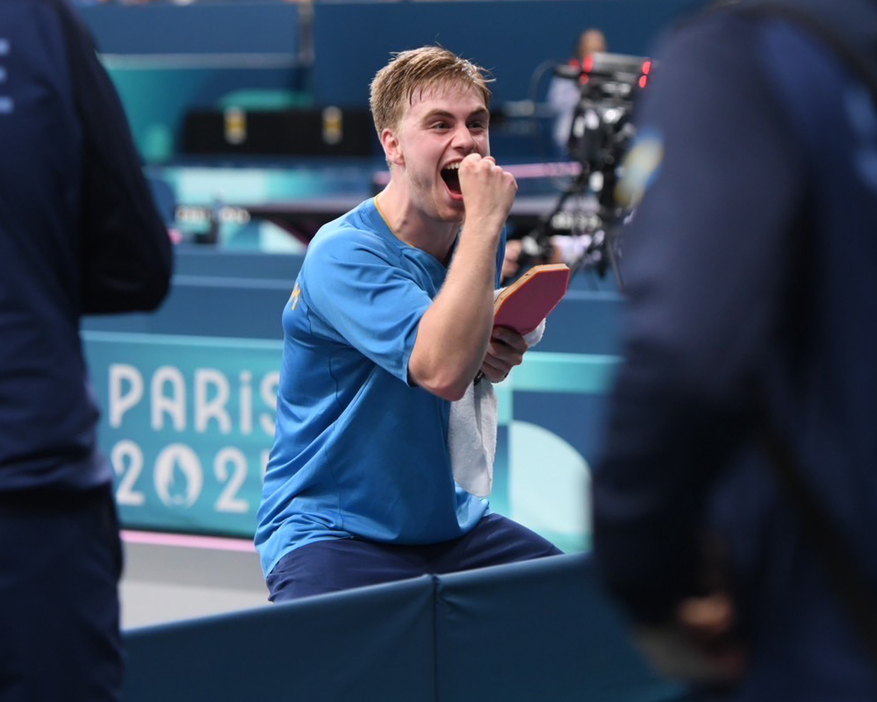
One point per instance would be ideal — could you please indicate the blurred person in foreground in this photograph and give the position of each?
(749, 344)
(389, 323)
(79, 234)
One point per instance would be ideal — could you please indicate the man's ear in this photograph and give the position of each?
(392, 147)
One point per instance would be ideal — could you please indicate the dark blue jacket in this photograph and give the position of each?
(752, 271)
(79, 234)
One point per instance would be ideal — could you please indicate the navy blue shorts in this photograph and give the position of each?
(329, 566)
(60, 563)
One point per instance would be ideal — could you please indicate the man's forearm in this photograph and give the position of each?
(453, 334)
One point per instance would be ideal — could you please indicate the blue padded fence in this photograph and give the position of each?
(541, 630)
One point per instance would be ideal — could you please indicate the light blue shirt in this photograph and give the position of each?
(358, 451)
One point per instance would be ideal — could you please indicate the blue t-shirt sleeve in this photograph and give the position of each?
(358, 294)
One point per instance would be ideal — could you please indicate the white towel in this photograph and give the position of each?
(472, 431)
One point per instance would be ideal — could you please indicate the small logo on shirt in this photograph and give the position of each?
(863, 120)
(7, 106)
(293, 299)
(641, 166)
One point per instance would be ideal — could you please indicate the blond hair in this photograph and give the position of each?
(410, 73)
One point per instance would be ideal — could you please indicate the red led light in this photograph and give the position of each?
(588, 63)
(643, 81)
(647, 67)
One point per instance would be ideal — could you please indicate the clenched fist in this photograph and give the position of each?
(488, 191)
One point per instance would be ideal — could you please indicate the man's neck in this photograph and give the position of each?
(409, 224)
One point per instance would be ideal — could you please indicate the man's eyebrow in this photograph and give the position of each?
(481, 112)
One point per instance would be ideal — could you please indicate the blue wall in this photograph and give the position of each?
(166, 59)
(199, 28)
(511, 39)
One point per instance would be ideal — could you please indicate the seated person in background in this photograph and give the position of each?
(563, 97)
(390, 320)
(563, 249)
(564, 94)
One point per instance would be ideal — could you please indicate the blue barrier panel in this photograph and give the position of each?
(250, 308)
(188, 425)
(210, 262)
(540, 630)
(370, 645)
(216, 307)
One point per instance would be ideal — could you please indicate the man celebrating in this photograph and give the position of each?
(390, 320)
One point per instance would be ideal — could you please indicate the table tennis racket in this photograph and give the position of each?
(525, 303)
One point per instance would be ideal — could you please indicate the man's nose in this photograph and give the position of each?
(464, 140)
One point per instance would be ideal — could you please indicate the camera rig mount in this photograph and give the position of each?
(600, 136)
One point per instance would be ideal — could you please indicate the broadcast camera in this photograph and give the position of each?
(600, 137)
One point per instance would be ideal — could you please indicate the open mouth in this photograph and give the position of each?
(451, 176)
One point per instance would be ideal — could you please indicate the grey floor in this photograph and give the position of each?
(165, 583)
